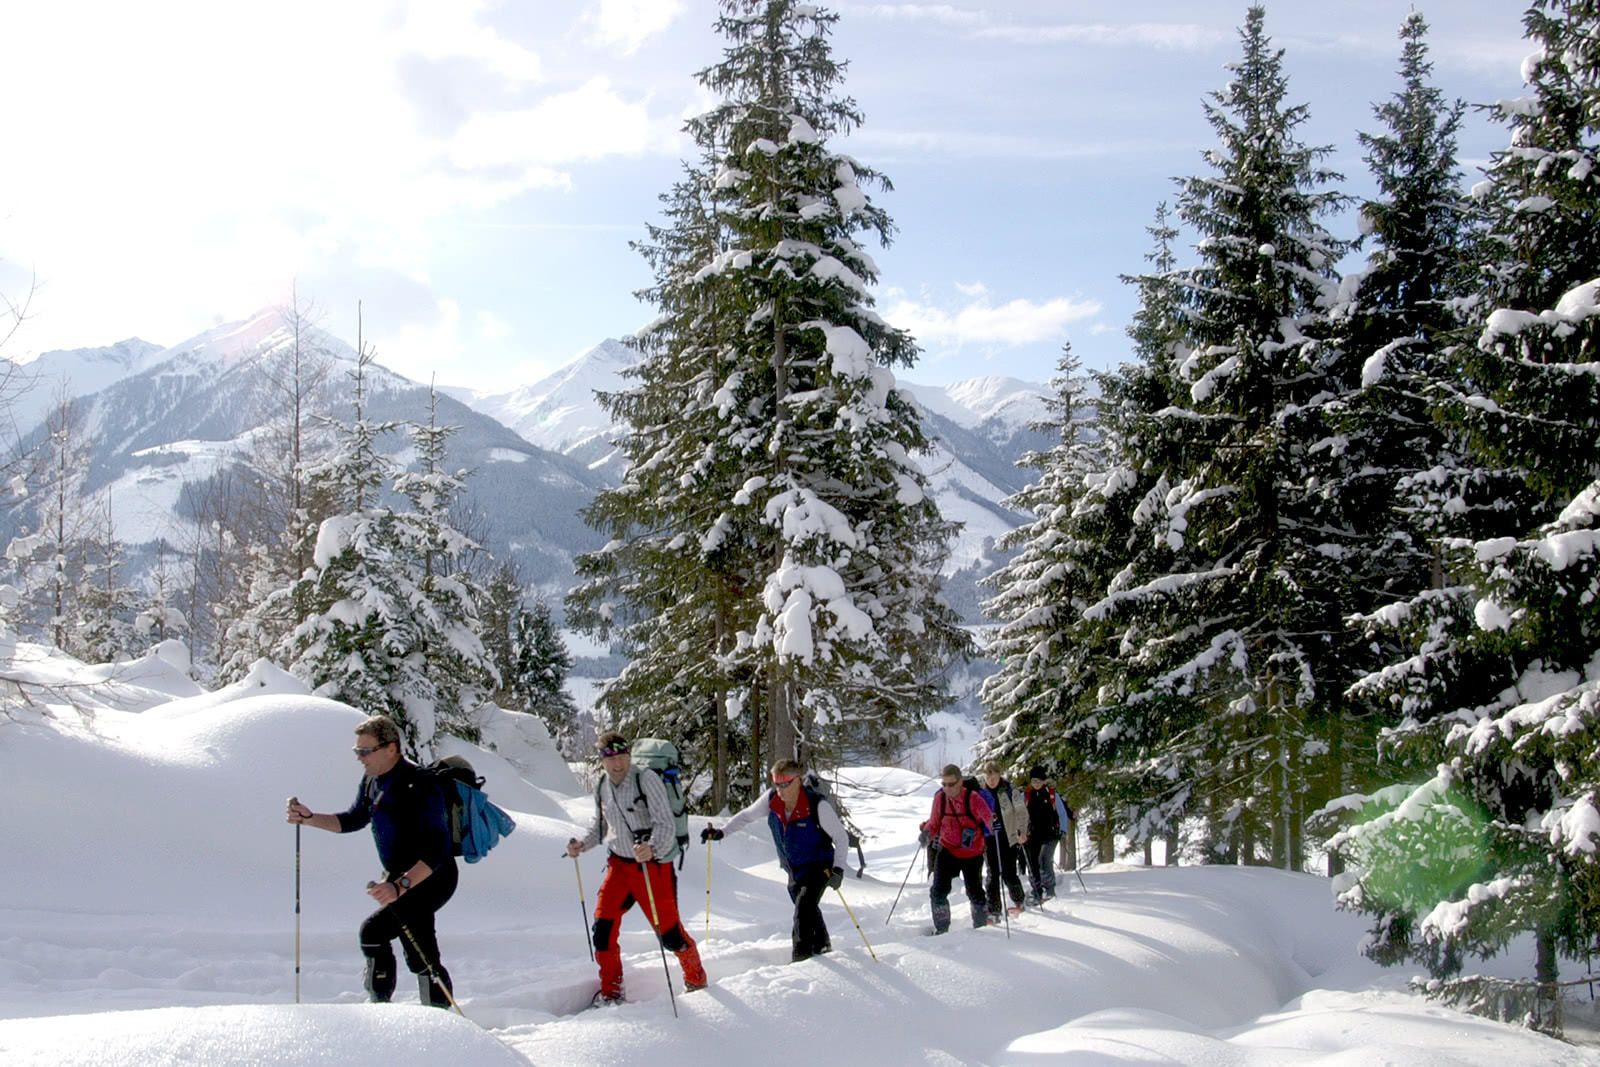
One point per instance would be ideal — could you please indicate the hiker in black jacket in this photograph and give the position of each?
(411, 827)
(1044, 830)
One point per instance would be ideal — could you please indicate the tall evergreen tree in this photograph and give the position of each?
(1498, 692)
(834, 544)
(1233, 649)
(1399, 318)
(461, 671)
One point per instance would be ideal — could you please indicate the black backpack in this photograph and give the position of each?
(819, 785)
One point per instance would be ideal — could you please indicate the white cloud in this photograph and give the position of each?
(450, 29)
(419, 349)
(942, 13)
(492, 327)
(980, 322)
(1167, 36)
(626, 24)
(969, 144)
(589, 122)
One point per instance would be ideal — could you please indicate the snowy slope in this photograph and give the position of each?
(149, 919)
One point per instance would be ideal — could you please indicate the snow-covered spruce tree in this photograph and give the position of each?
(539, 677)
(461, 672)
(1501, 714)
(366, 625)
(1041, 700)
(498, 606)
(103, 630)
(1398, 316)
(1029, 695)
(49, 556)
(160, 617)
(1140, 795)
(814, 489)
(1246, 624)
(671, 586)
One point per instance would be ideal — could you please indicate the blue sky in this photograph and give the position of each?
(472, 172)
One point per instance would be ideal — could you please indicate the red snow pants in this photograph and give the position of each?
(621, 888)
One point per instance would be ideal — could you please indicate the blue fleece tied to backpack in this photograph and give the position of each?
(485, 824)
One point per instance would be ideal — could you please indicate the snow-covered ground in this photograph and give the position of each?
(148, 918)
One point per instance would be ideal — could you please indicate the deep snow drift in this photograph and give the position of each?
(148, 918)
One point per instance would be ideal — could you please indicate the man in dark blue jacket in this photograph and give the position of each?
(411, 827)
(813, 849)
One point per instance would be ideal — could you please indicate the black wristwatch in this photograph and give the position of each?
(400, 884)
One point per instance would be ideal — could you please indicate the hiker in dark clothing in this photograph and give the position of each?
(1044, 830)
(1010, 834)
(410, 824)
(957, 826)
(813, 848)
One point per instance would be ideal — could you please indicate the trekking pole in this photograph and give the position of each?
(292, 801)
(708, 889)
(1000, 884)
(655, 923)
(852, 915)
(902, 889)
(433, 975)
(583, 902)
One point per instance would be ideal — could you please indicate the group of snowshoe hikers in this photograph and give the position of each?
(973, 825)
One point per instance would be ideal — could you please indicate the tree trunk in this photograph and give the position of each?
(1172, 848)
(1547, 1015)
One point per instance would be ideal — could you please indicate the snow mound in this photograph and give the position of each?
(253, 1036)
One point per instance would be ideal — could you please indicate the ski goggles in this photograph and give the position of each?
(618, 749)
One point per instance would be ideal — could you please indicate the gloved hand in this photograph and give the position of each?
(836, 878)
(710, 833)
(922, 839)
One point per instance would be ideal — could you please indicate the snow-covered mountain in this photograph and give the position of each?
(560, 412)
(165, 423)
(980, 425)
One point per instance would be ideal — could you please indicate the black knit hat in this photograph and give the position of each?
(1037, 772)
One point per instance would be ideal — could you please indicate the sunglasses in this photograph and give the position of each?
(947, 785)
(785, 781)
(363, 753)
(617, 750)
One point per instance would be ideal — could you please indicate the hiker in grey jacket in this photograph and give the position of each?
(1011, 833)
(633, 814)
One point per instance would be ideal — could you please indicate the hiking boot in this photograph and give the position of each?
(1015, 909)
(435, 994)
(379, 981)
(693, 987)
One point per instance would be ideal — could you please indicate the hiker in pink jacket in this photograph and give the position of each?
(959, 825)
